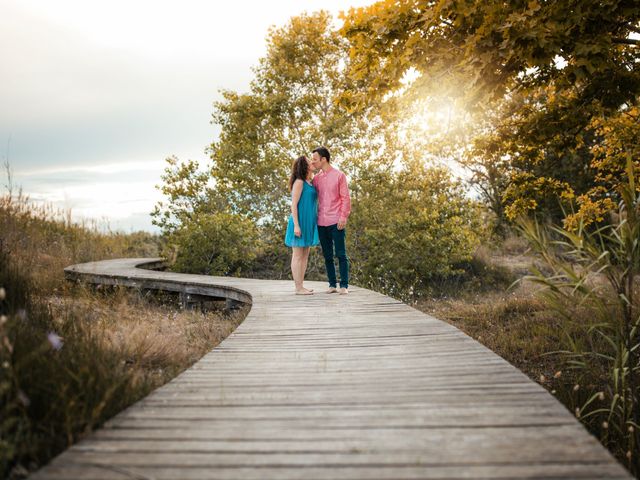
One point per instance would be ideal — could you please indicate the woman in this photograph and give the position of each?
(302, 230)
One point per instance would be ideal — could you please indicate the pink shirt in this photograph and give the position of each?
(334, 203)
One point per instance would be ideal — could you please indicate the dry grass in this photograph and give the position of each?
(116, 348)
(153, 337)
(71, 357)
(516, 325)
(525, 330)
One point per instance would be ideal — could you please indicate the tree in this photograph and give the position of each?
(562, 63)
(496, 47)
(188, 194)
(291, 107)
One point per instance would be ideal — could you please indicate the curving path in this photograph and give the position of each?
(332, 387)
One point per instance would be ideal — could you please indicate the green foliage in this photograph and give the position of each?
(495, 47)
(543, 75)
(187, 193)
(289, 110)
(410, 229)
(216, 244)
(293, 106)
(618, 139)
(594, 285)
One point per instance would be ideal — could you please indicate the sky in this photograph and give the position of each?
(95, 95)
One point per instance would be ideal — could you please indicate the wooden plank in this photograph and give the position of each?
(585, 470)
(332, 387)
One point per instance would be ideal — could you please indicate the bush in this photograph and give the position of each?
(410, 230)
(215, 244)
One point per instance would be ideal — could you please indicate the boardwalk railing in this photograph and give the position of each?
(359, 386)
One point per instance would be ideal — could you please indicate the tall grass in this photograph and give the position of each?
(72, 357)
(594, 288)
(43, 239)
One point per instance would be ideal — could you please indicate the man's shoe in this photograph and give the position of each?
(344, 291)
(332, 290)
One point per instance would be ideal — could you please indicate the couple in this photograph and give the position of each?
(320, 207)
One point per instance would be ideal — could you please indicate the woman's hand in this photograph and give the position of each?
(296, 231)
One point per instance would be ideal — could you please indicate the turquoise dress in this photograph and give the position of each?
(307, 218)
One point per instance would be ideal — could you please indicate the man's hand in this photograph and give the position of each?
(342, 223)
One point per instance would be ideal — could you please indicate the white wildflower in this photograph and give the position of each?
(22, 397)
(55, 340)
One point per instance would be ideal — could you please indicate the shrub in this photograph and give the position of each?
(410, 230)
(594, 286)
(215, 244)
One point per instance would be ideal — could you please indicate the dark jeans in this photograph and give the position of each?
(329, 237)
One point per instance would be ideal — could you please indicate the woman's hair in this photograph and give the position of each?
(299, 169)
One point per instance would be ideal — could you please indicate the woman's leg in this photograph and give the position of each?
(305, 262)
(296, 260)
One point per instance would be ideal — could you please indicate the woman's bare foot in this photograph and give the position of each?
(307, 289)
(304, 291)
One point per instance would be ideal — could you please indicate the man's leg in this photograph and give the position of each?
(341, 252)
(326, 242)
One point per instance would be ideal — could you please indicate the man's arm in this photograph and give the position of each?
(345, 201)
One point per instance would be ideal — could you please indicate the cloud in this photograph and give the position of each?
(89, 84)
(72, 102)
(118, 195)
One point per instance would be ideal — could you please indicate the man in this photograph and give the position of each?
(334, 206)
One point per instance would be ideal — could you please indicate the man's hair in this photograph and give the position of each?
(323, 152)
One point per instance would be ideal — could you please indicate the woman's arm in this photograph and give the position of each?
(296, 192)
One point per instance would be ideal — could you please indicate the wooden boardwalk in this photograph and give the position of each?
(332, 387)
